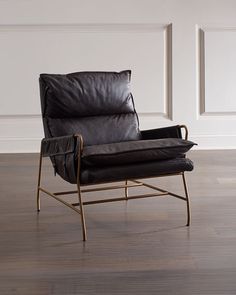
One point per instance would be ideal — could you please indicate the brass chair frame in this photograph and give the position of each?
(126, 197)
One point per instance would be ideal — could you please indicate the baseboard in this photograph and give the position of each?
(19, 145)
(214, 142)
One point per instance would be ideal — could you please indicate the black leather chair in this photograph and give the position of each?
(93, 137)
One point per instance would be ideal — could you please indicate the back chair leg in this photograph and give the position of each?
(187, 200)
(82, 213)
(126, 190)
(39, 181)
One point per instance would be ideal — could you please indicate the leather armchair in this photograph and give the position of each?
(92, 137)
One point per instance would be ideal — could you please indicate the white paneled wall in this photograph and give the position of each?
(182, 54)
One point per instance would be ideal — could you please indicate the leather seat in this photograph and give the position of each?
(99, 174)
(128, 152)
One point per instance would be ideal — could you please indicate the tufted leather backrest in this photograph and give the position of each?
(98, 105)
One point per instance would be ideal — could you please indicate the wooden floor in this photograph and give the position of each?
(136, 247)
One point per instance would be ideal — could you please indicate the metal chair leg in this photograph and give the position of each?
(39, 180)
(187, 200)
(126, 190)
(82, 213)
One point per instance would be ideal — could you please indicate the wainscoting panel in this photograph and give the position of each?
(181, 54)
(217, 47)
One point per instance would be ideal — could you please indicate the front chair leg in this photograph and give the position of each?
(187, 200)
(82, 213)
(80, 138)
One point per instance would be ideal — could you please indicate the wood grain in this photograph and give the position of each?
(135, 247)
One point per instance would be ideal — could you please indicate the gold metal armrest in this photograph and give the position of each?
(81, 144)
(186, 131)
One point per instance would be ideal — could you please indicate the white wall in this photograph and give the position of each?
(182, 54)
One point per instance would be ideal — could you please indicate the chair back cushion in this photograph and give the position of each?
(98, 105)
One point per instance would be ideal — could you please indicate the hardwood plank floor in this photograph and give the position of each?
(135, 247)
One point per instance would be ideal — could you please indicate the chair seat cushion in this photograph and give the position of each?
(96, 175)
(129, 152)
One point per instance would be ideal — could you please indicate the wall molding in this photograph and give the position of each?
(20, 116)
(21, 133)
(132, 28)
(200, 57)
(86, 27)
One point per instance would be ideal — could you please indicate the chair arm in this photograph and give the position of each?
(166, 132)
(65, 154)
(62, 145)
